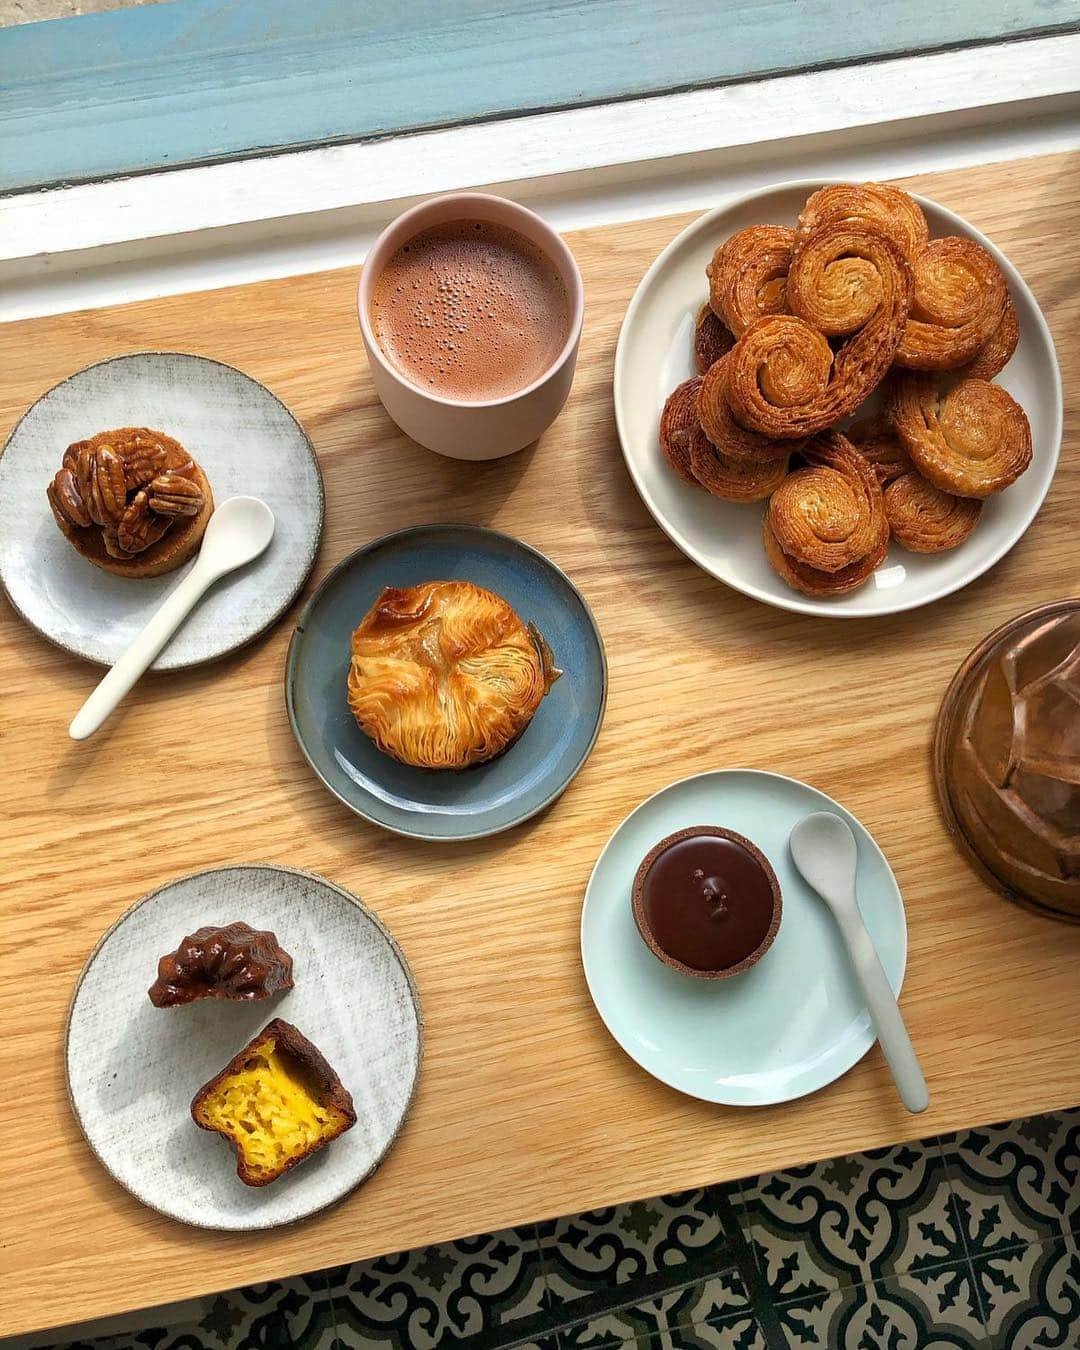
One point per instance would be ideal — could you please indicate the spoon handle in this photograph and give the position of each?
(133, 662)
(885, 1014)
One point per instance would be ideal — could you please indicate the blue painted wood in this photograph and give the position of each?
(198, 80)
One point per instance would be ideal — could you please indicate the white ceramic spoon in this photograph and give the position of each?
(238, 531)
(824, 850)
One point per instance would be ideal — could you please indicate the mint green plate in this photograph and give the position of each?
(787, 1026)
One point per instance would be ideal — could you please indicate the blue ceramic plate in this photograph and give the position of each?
(424, 803)
(788, 1025)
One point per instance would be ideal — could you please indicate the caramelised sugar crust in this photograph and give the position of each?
(315, 1078)
(233, 961)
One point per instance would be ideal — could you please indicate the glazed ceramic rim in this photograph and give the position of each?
(292, 660)
(554, 244)
(308, 564)
(401, 959)
(645, 928)
(666, 1078)
(795, 602)
(968, 667)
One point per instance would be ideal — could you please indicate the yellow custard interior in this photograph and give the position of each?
(268, 1110)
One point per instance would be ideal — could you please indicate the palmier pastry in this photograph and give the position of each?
(884, 209)
(735, 480)
(719, 424)
(926, 520)
(971, 440)
(712, 339)
(784, 379)
(131, 501)
(445, 674)
(677, 421)
(876, 441)
(959, 302)
(233, 962)
(829, 514)
(277, 1102)
(816, 583)
(748, 275)
(995, 354)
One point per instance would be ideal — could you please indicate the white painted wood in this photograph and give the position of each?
(527, 148)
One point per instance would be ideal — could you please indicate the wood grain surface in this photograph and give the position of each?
(526, 1108)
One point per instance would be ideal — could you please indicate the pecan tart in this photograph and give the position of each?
(233, 961)
(445, 674)
(277, 1102)
(131, 501)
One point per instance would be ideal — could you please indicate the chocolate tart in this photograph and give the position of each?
(707, 902)
(277, 1102)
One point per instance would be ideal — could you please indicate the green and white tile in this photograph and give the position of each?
(1031, 1296)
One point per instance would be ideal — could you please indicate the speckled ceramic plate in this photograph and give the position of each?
(724, 538)
(446, 804)
(788, 1025)
(133, 1069)
(247, 442)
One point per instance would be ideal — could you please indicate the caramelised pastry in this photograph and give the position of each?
(996, 353)
(825, 528)
(731, 478)
(958, 305)
(445, 674)
(970, 439)
(712, 339)
(233, 961)
(923, 518)
(876, 441)
(748, 275)
(277, 1102)
(719, 424)
(885, 209)
(677, 422)
(784, 379)
(131, 501)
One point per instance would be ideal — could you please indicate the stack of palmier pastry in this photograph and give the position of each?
(801, 327)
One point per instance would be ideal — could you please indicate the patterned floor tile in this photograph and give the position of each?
(1031, 1296)
(920, 1310)
(670, 1238)
(452, 1291)
(852, 1219)
(720, 1301)
(1019, 1182)
(745, 1334)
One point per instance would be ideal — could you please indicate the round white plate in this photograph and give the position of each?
(788, 1025)
(133, 1069)
(724, 538)
(247, 442)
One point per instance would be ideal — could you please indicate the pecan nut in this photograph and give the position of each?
(171, 495)
(106, 499)
(66, 500)
(142, 462)
(139, 527)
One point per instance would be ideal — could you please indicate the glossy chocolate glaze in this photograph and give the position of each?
(708, 901)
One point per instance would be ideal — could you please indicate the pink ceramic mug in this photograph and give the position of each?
(494, 427)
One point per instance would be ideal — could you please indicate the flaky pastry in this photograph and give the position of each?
(748, 275)
(995, 354)
(735, 480)
(958, 304)
(712, 338)
(445, 674)
(719, 424)
(677, 421)
(972, 439)
(876, 440)
(926, 520)
(882, 208)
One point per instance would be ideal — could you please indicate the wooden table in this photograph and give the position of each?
(527, 1108)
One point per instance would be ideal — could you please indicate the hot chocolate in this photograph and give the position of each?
(471, 311)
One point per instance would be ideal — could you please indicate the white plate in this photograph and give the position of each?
(788, 1025)
(244, 438)
(133, 1069)
(724, 538)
